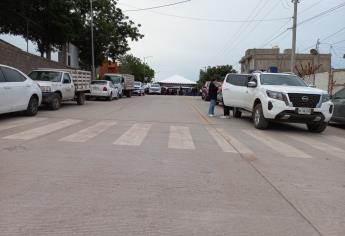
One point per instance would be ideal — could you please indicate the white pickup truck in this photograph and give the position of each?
(59, 85)
(278, 97)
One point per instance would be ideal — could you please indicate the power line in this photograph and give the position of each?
(161, 6)
(213, 19)
(338, 42)
(322, 13)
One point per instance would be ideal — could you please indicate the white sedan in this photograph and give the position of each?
(103, 89)
(18, 92)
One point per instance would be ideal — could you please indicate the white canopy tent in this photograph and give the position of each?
(177, 80)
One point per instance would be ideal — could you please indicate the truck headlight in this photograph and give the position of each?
(325, 98)
(278, 96)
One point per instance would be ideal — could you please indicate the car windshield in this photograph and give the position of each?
(52, 76)
(137, 83)
(155, 85)
(284, 80)
(99, 82)
(115, 79)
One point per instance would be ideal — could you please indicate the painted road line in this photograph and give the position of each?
(43, 130)
(322, 146)
(180, 138)
(280, 147)
(335, 139)
(134, 136)
(241, 148)
(20, 122)
(89, 133)
(221, 141)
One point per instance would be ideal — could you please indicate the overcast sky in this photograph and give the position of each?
(184, 38)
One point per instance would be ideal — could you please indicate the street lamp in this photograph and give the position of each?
(145, 64)
(92, 45)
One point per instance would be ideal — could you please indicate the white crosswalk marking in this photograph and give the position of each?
(241, 148)
(19, 122)
(336, 139)
(43, 130)
(134, 136)
(222, 142)
(330, 149)
(280, 147)
(89, 133)
(180, 138)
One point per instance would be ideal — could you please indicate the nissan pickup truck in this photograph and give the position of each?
(60, 85)
(280, 97)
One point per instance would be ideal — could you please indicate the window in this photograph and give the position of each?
(340, 94)
(102, 82)
(45, 76)
(282, 80)
(12, 75)
(238, 80)
(2, 77)
(66, 79)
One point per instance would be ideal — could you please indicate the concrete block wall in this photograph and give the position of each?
(26, 62)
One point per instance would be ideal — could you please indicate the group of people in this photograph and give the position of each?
(213, 91)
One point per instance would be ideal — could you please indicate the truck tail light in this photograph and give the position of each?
(105, 89)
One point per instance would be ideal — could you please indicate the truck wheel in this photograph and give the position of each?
(55, 103)
(32, 107)
(260, 122)
(317, 127)
(237, 113)
(81, 99)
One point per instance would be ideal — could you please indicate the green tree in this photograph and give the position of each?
(133, 65)
(216, 71)
(52, 23)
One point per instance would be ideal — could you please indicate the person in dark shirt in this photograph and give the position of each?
(212, 93)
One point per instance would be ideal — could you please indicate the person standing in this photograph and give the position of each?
(212, 93)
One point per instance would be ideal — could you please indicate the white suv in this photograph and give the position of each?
(279, 97)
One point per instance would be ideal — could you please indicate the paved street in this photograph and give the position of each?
(157, 165)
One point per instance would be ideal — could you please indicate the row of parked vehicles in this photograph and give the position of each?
(282, 97)
(51, 87)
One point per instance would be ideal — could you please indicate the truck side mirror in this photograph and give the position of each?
(252, 84)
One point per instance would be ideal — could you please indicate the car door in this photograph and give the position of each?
(249, 96)
(67, 87)
(234, 90)
(4, 101)
(339, 104)
(17, 91)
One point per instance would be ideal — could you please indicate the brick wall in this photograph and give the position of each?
(26, 62)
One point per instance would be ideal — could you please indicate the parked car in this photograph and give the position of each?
(103, 89)
(59, 85)
(278, 97)
(138, 88)
(123, 82)
(18, 92)
(155, 89)
(339, 107)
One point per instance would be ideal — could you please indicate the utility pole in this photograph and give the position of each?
(318, 55)
(294, 36)
(92, 46)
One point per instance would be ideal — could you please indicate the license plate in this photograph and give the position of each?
(304, 111)
(95, 88)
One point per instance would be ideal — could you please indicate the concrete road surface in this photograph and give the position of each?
(157, 165)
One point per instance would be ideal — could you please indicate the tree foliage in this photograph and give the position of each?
(217, 71)
(52, 23)
(133, 65)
